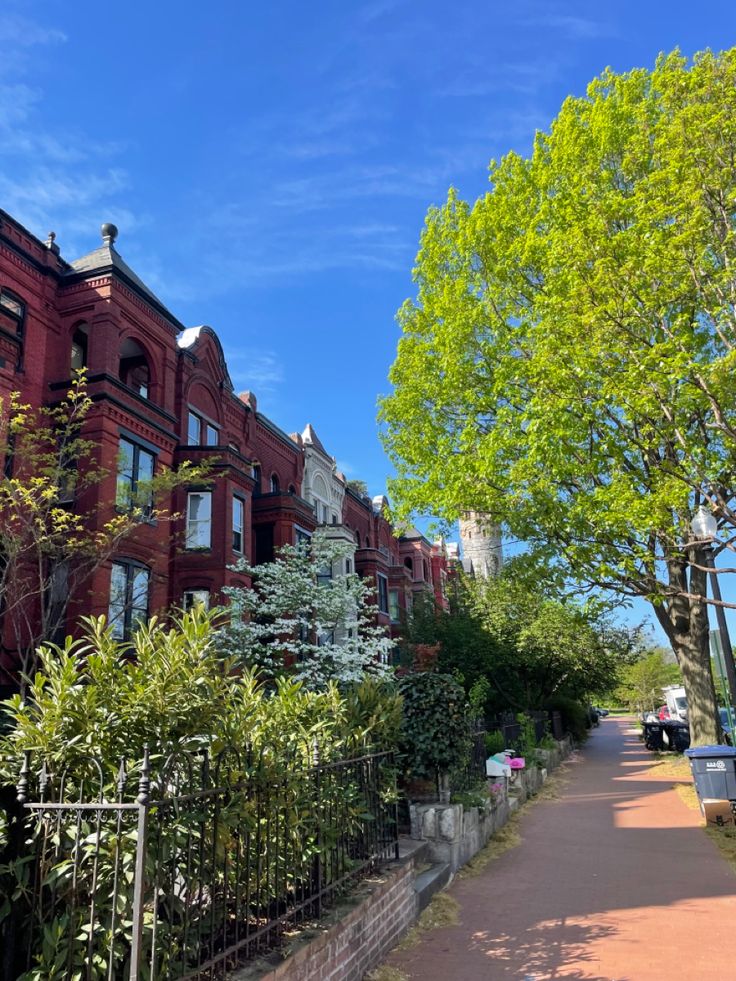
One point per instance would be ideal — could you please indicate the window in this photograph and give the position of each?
(133, 369)
(256, 474)
(194, 428)
(275, 487)
(301, 536)
(382, 593)
(213, 436)
(58, 595)
(129, 584)
(16, 310)
(135, 474)
(195, 597)
(426, 570)
(79, 350)
(367, 542)
(324, 575)
(292, 489)
(348, 567)
(393, 605)
(238, 523)
(199, 519)
(409, 563)
(334, 519)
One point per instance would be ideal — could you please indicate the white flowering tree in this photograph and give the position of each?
(305, 616)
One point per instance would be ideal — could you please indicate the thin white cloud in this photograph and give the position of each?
(256, 370)
(65, 179)
(24, 33)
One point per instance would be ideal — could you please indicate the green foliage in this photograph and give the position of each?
(373, 711)
(642, 682)
(435, 735)
(567, 364)
(574, 716)
(527, 740)
(495, 743)
(95, 701)
(515, 643)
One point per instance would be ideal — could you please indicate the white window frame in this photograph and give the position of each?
(192, 416)
(199, 530)
(238, 505)
(193, 596)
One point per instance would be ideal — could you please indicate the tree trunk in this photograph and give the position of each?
(685, 621)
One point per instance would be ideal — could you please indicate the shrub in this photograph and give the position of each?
(495, 742)
(435, 735)
(574, 716)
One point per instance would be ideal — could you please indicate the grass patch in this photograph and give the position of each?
(385, 973)
(725, 841)
(687, 794)
(443, 911)
(670, 765)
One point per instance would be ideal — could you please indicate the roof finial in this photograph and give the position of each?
(109, 233)
(51, 243)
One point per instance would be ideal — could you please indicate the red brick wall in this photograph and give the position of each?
(357, 942)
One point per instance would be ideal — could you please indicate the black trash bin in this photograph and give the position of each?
(653, 735)
(714, 771)
(678, 734)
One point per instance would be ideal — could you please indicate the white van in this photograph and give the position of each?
(676, 700)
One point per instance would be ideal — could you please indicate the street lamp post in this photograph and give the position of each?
(705, 527)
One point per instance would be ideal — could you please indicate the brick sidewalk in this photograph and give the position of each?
(612, 882)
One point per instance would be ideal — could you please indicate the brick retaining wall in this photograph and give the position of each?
(353, 938)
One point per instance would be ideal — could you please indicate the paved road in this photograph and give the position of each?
(612, 882)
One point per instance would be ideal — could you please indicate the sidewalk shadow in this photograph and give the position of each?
(543, 951)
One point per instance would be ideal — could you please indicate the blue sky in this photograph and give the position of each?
(270, 165)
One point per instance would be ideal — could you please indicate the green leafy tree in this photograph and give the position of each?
(567, 365)
(642, 682)
(56, 528)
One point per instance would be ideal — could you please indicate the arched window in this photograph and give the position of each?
(79, 348)
(133, 370)
(367, 542)
(256, 474)
(292, 489)
(275, 487)
(357, 537)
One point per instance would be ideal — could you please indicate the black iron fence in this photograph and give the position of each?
(545, 723)
(181, 868)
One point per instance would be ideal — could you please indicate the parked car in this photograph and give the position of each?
(726, 725)
(602, 712)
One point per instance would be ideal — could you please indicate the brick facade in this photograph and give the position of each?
(165, 389)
